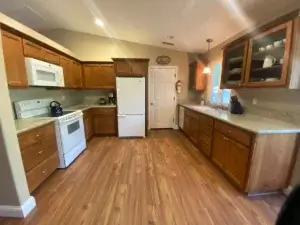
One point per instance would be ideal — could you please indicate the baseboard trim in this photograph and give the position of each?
(18, 211)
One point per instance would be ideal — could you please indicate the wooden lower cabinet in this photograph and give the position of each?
(231, 157)
(39, 154)
(104, 121)
(88, 126)
(255, 163)
(220, 149)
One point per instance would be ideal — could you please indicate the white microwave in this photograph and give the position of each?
(40, 73)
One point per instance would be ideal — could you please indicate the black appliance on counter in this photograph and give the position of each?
(235, 106)
(56, 109)
(111, 98)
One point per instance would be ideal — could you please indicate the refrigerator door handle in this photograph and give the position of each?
(121, 115)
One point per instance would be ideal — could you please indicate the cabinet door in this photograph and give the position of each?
(139, 68)
(98, 76)
(186, 125)
(14, 60)
(65, 63)
(234, 65)
(237, 162)
(197, 80)
(193, 130)
(33, 50)
(51, 57)
(107, 76)
(76, 74)
(123, 68)
(269, 56)
(104, 124)
(220, 149)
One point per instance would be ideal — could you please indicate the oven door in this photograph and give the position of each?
(72, 133)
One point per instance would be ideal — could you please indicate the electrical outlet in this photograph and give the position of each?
(254, 101)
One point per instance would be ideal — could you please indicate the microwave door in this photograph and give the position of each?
(45, 75)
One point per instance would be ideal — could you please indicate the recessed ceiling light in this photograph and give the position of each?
(99, 22)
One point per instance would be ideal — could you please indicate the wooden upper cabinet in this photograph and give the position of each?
(197, 80)
(51, 57)
(65, 63)
(99, 76)
(123, 68)
(269, 57)
(131, 67)
(14, 60)
(139, 68)
(33, 50)
(234, 65)
(76, 74)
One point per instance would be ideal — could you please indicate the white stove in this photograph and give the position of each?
(69, 128)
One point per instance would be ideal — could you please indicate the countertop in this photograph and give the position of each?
(23, 125)
(86, 107)
(251, 122)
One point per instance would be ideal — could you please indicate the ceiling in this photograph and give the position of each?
(150, 22)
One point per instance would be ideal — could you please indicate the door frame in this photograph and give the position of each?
(174, 126)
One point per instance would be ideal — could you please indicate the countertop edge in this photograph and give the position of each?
(283, 131)
(34, 126)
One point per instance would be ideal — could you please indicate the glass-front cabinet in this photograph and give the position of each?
(234, 65)
(269, 54)
(260, 61)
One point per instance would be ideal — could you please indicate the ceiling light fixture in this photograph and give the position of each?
(206, 68)
(99, 22)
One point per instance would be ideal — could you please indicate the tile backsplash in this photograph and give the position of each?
(65, 97)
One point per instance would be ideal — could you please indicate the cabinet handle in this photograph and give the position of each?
(229, 131)
(40, 152)
(38, 135)
(44, 171)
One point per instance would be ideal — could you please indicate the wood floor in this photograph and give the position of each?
(162, 179)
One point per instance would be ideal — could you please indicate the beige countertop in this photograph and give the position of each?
(86, 107)
(250, 122)
(23, 125)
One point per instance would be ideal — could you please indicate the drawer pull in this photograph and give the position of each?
(38, 135)
(44, 171)
(229, 131)
(40, 152)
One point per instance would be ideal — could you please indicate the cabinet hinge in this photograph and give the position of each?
(174, 98)
(175, 75)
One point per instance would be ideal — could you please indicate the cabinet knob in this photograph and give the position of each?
(38, 135)
(44, 171)
(40, 152)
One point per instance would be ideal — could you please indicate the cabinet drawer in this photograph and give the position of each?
(34, 155)
(206, 120)
(40, 173)
(192, 114)
(36, 135)
(236, 134)
(104, 111)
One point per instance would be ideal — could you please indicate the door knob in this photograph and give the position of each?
(151, 103)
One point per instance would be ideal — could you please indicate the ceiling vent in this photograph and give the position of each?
(168, 43)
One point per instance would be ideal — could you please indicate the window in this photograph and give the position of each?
(217, 95)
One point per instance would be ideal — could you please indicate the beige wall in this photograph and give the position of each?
(95, 48)
(13, 186)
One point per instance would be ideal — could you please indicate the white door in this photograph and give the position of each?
(131, 96)
(162, 97)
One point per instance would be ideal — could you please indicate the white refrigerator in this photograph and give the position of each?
(131, 99)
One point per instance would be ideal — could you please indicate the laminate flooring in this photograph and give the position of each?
(162, 179)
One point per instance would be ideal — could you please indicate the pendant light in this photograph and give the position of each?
(207, 70)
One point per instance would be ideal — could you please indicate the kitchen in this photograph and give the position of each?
(81, 94)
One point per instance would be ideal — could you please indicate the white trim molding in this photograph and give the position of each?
(18, 211)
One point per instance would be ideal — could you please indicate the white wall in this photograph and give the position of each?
(96, 48)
